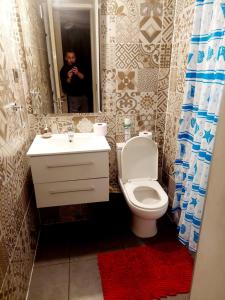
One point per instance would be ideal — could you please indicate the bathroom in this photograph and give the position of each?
(142, 50)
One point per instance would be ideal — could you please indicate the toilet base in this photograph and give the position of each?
(143, 228)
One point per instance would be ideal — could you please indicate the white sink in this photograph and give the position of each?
(59, 144)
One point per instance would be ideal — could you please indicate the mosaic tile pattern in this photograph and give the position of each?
(182, 31)
(163, 76)
(149, 55)
(127, 56)
(151, 21)
(21, 58)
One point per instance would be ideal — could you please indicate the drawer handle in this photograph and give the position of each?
(91, 188)
(70, 165)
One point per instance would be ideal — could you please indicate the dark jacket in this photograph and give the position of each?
(73, 88)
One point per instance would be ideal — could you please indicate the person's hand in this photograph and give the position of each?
(70, 74)
(75, 70)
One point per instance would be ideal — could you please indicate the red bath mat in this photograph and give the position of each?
(146, 272)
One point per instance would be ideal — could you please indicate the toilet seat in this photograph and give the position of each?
(146, 194)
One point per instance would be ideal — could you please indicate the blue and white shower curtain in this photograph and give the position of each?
(205, 79)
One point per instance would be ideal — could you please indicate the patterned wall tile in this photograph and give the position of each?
(108, 80)
(147, 103)
(84, 124)
(127, 102)
(107, 56)
(173, 79)
(162, 101)
(7, 217)
(149, 55)
(60, 124)
(169, 8)
(4, 260)
(163, 85)
(180, 79)
(167, 30)
(147, 82)
(108, 29)
(127, 31)
(24, 254)
(165, 56)
(126, 80)
(8, 289)
(3, 125)
(127, 21)
(111, 8)
(145, 123)
(160, 127)
(150, 29)
(15, 178)
(175, 101)
(170, 143)
(182, 31)
(126, 56)
(109, 103)
(151, 8)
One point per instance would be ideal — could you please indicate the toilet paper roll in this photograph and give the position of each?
(100, 129)
(147, 134)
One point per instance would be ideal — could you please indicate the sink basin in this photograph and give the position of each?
(59, 144)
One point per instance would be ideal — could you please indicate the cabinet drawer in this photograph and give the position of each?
(54, 168)
(72, 192)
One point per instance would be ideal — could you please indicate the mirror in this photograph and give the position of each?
(72, 39)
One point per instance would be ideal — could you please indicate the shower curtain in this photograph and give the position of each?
(205, 79)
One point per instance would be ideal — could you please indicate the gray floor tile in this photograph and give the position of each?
(53, 246)
(52, 254)
(85, 282)
(66, 262)
(50, 283)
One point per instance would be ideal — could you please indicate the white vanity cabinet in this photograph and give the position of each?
(66, 173)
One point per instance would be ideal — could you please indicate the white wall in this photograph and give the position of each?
(209, 274)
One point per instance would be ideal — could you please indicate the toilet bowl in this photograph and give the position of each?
(138, 174)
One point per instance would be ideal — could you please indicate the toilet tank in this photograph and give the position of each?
(119, 147)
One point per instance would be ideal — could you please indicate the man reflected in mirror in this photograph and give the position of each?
(73, 84)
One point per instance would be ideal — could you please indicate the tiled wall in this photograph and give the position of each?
(136, 42)
(20, 61)
(182, 31)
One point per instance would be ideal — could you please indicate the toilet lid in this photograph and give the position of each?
(139, 159)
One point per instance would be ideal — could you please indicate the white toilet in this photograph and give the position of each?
(138, 174)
